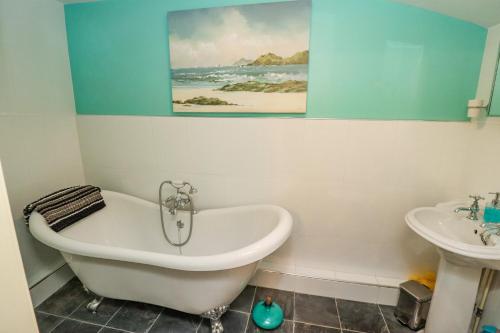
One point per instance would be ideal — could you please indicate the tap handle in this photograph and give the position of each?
(179, 185)
(476, 198)
(497, 198)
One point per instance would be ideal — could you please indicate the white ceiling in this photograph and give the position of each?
(483, 12)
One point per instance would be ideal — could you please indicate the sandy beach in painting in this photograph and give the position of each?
(246, 102)
(240, 89)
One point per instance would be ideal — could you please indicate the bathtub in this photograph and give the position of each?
(119, 252)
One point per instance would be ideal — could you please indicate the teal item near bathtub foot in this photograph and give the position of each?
(267, 314)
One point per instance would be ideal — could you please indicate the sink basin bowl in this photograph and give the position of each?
(463, 255)
(457, 237)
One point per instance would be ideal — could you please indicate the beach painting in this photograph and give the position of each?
(240, 59)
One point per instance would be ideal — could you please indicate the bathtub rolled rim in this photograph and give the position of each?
(251, 253)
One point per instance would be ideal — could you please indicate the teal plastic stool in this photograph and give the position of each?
(267, 314)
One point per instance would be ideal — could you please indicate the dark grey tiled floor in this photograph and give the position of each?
(362, 317)
(392, 323)
(135, 317)
(65, 312)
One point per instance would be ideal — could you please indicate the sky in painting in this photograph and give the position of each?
(221, 36)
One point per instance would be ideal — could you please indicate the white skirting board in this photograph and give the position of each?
(43, 289)
(329, 287)
(345, 288)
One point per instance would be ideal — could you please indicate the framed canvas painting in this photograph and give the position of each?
(240, 59)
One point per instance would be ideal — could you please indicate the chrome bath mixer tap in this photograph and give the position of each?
(181, 200)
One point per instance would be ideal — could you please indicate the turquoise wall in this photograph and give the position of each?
(370, 59)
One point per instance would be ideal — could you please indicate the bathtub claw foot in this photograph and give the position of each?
(216, 326)
(94, 304)
(214, 316)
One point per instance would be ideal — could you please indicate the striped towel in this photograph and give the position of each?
(67, 206)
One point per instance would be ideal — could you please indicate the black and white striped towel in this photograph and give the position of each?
(67, 206)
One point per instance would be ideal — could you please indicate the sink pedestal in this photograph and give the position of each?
(463, 256)
(454, 297)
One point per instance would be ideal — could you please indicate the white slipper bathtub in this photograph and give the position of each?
(119, 252)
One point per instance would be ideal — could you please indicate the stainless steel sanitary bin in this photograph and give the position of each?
(413, 304)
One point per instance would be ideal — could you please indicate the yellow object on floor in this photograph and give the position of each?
(428, 279)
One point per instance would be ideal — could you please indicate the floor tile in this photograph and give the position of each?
(234, 322)
(286, 327)
(111, 330)
(283, 298)
(135, 317)
(306, 328)
(72, 326)
(66, 299)
(394, 325)
(316, 310)
(172, 321)
(106, 309)
(245, 300)
(359, 316)
(46, 322)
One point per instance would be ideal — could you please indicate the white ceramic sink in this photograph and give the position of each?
(463, 256)
(457, 237)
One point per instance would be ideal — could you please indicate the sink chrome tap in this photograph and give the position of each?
(473, 209)
(489, 229)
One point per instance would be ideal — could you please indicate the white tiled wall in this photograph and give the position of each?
(347, 183)
(39, 146)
